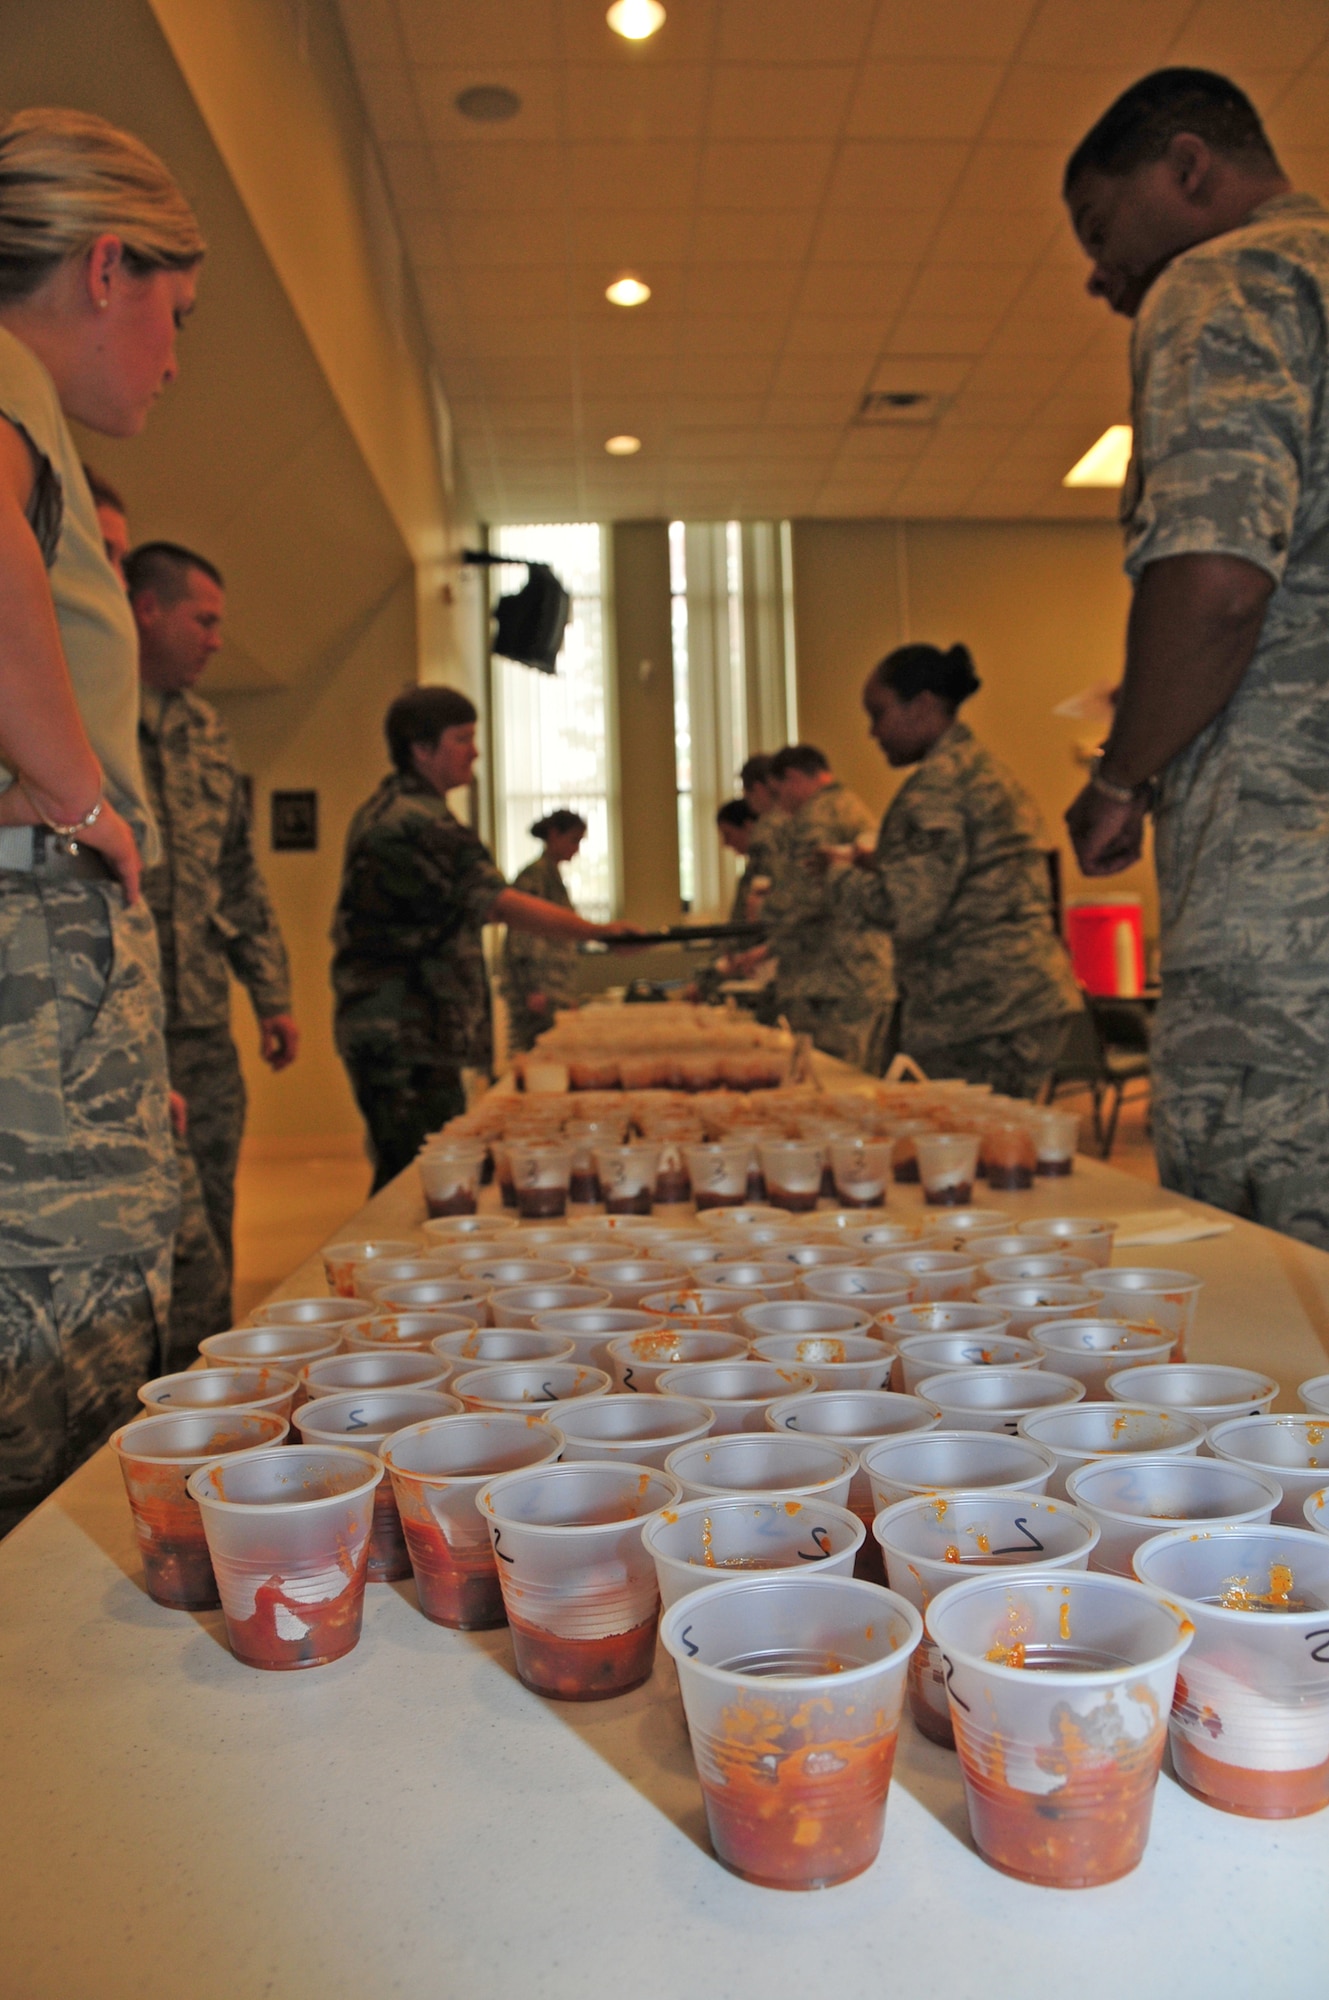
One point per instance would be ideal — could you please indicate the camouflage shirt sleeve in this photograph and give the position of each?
(921, 858)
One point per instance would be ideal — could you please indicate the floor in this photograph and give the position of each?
(286, 1207)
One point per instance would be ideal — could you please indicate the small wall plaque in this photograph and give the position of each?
(294, 822)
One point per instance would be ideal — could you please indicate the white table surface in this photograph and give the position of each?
(411, 1821)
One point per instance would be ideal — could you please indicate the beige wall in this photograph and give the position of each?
(1042, 607)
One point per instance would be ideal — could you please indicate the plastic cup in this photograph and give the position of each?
(1315, 1510)
(287, 1347)
(1056, 1136)
(1058, 1689)
(739, 1391)
(1208, 1393)
(644, 1429)
(482, 1346)
(947, 1165)
(454, 1230)
(933, 1275)
(540, 1177)
(527, 1385)
(1294, 1449)
(627, 1177)
(807, 1318)
(1134, 1499)
(766, 1282)
(792, 1687)
(305, 1312)
(980, 1323)
(705, 1540)
(812, 1254)
(717, 1307)
(627, 1280)
(638, 1360)
(408, 1332)
(1094, 1349)
(719, 1174)
(1008, 1156)
(996, 1399)
(340, 1259)
(834, 1360)
(364, 1417)
(1034, 1266)
(1163, 1299)
(783, 1462)
(157, 1455)
(945, 1461)
(1314, 1395)
(451, 1177)
(1250, 1719)
(792, 1173)
(924, 1354)
(522, 1305)
(461, 1294)
(373, 1277)
(579, 1586)
(1027, 1306)
(288, 1532)
(592, 1328)
(861, 1169)
(342, 1374)
(873, 1291)
(1109, 1430)
(437, 1468)
(963, 1228)
(750, 1216)
(584, 1135)
(1083, 1235)
(904, 1134)
(857, 1418)
(252, 1388)
(931, 1540)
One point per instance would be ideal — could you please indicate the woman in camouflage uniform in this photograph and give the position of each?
(537, 973)
(959, 879)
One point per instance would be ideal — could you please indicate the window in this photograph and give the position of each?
(551, 732)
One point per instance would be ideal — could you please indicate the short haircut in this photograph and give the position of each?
(1145, 119)
(102, 491)
(757, 771)
(561, 820)
(420, 716)
(163, 568)
(803, 757)
(922, 669)
(736, 812)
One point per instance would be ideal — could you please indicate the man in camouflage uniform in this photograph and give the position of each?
(213, 914)
(833, 978)
(1195, 234)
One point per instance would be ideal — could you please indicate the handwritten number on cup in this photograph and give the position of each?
(499, 1551)
(1320, 1651)
(958, 1699)
(1029, 1542)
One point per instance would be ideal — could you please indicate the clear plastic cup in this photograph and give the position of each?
(627, 1280)
(644, 1429)
(1083, 1235)
(1314, 1396)
(523, 1305)
(364, 1417)
(982, 1323)
(627, 1177)
(1133, 1499)
(1164, 1299)
(455, 1230)
(1059, 1687)
(253, 1388)
(871, 1290)
(373, 1277)
(483, 1346)
(996, 1399)
(812, 1254)
(834, 1360)
(288, 1532)
(703, 1541)
(1008, 1156)
(460, 1294)
(437, 1469)
(157, 1455)
(963, 1228)
(451, 1177)
(1315, 1510)
(288, 1347)
(767, 1282)
(719, 1174)
(857, 1418)
(578, 1585)
(584, 1135)
(503, 1266)
(342, 1374)
(879, 1239)
(947, 1166)
(945, 1461)
(1109, 1430)
(1034, 1266)
(1056, 1137)
(792, 1687)
(861, 1169)
(806, 1318)
(933, 1276)
(904, 1134)
(716, 1307)
(1027, 1306)
(408, 1332)
(792, 1173)
(527, 1385)
(1094, 1349)
(1250, 1720)
(782, 1462)
(931, 1540)
(638, 1360)
(1294, 1449)
(540, 1178)
(739, 1391)
(305, 1312)
(924, 1354)
(1204, 1391)
(591, 1329)
(340, 1259)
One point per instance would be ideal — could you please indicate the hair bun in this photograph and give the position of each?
(961, 680)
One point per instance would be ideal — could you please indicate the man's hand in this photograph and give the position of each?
(179, 1114)
(278, 1040)
(619, 936)
(1107, 833)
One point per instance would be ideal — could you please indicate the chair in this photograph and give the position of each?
(1105, 1048)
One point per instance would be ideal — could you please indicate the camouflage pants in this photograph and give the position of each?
(77, 1341)
(205, 1069)
(400, 1101)
(1254, 1142)
(1015, 1065)
(839, 1026)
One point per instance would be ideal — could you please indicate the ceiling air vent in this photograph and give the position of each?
(900, 406)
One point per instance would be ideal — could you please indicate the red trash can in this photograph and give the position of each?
(1106, 942)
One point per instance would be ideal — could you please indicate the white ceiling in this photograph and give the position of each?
(825, 196)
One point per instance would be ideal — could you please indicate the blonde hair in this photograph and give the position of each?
(68, 177)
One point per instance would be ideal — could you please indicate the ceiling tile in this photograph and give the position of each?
(742, 288)
(776, 101)
(1097, 32)
(1302, 117)
(1016, 236)
(748, 236)
(818, 412)
(1007, 176)
(438, 87)
(512, 240)
(625, 375)
(922, 100)
(1054, 104)
(486, 179)
(525, 376)
(977, 290)
(490, 291)
(606, 174)
(666, 280)
(1233, 35)
(763, 174)
(459, 31)
(722, 374)
(862, 289)
(858, 334)
(756, 31)
(635, 101)
(734, 411)
(639, 336)
(632, 237)
(943, 333)
(961, 30)
(390, 102)
(814, 374)
(726, 333)
(688, 35)
(886, 174)
(858, 235)
(410, 177)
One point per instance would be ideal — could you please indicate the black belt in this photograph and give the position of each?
(35, 850)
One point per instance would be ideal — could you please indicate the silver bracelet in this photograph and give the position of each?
(76, 826)
(1123, 795)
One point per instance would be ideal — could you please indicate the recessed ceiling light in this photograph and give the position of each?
(627, 292)
(622, 447)
(488, 103)
(1105, 463)
(635, 19)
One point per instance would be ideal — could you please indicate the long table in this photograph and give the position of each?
(410, 1821)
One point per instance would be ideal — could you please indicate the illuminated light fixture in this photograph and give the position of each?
(622, 446)
(627, 292)
(635, 20)
(1105, 463)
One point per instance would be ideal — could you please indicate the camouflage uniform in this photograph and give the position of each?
(537, 965)
(961, 884)
(1232, 457)
(833, 978)
(214, 917)
(408, 971)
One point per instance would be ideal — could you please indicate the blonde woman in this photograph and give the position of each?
(98, 260)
